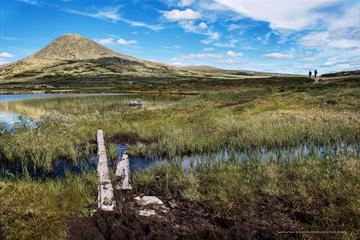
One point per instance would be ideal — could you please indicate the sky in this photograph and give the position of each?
(288, 36)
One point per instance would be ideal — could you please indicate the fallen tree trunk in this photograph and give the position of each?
(106, 200)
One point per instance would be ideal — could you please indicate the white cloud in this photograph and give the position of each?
(106, 41)
(265, 38)
(228, 44)
(227, 58)
(142, 24)
(308, 59)
(112, 14)
(278, 55)
(203, 55)
(208, 49)
(212, 37)
(232, 54)
(342, 63)
(349, 18)
(203, 25)
(328, 39)
(232, 27)
(227, 61)
(292, 15)
(124, 42)
(108, 13)
(185, 3)
(31, 2)
(6, 55)
(181, 15)
(177, 63)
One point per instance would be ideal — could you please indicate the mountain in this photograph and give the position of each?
(244, 73)
(72, 55)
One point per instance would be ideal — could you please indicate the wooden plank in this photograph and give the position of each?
(106, 200)
(122, 173)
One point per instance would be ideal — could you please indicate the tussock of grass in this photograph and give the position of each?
(39, 210)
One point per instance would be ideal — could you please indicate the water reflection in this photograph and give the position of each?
(9, 118)
(190, 162)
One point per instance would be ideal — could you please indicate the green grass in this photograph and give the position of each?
(33, 209)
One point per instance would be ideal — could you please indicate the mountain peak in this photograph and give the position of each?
(77, 56)
(73, 47)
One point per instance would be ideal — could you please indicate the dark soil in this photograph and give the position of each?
(128, 138)
(269, 218)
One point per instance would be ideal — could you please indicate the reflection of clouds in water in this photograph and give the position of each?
(8, 117)
(18, 97)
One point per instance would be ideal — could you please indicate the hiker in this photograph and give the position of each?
(310, 73)
(315, 73)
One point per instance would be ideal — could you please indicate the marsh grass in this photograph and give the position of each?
(269, 114)
(326, 191)
(39, 210)
(235, 114)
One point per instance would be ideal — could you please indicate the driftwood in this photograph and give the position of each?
(123, 173)
(106, 200)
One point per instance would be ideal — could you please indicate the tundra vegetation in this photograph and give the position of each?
(192, 117)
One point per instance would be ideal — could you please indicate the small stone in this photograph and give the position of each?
(148, 200)
(135, 103)
(147, 212)
(164, 209)
(172, 204)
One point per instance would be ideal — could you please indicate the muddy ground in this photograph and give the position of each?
(271, 218)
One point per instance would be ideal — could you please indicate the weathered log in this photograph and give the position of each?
(122, 173)
(106, 200)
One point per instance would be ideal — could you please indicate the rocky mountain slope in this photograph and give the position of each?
(74, 55)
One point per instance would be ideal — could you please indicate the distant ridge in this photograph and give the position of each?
(215, 70)
(342, 74)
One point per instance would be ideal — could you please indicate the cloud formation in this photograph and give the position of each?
(124, 42)
(6, 55)
(291, 15)
(278, 55)
(181, 15)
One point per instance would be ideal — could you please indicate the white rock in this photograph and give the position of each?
(135, 102)
(148, 200)
(147, 212)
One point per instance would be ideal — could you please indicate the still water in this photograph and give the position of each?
(9, 118)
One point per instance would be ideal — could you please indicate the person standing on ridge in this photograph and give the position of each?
(310, 73)
(315, 73)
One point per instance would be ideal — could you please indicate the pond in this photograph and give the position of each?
(75, 104)
(9, 118)
(189, 162)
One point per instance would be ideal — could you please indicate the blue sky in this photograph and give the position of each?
(264, 35)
